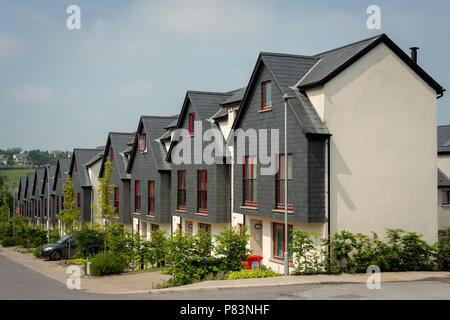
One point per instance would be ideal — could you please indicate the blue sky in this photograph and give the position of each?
(61, 89)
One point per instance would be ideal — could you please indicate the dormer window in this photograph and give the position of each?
(191, 123)
(111, 152)
(142, 142)
(76, 167)
(266, 97)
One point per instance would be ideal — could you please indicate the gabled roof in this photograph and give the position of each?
(221, 114)
(173, 123)
(286, 70)
(443, 180)
(154, 127)
(166, 136)
(63, 165)
(205, 104)
(39, 180)
(30, 184)
(82, 156)
(21, 191)
(331, 63)
(49, 171)
(443, 139)
(235, 98)
(119, 142)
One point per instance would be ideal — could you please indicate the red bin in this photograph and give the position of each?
(254, 262)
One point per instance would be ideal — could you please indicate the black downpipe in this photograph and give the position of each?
(329, 198)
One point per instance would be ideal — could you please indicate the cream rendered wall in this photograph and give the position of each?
(443, 163)
(94, 171)
(443, 212)
(382, 118)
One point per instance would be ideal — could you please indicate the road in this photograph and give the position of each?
(20, 282)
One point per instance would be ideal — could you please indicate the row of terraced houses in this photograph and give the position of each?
(361, 149)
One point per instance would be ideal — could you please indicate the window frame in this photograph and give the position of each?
(192, 123)
(116, 201)
(111, 154)
(448, 198)
(181, 190)
(79, 200)
(252, 180)
(279, 203)
(290, 227)
(137, 196)
(263, 95)
(151, 198)
(202, 193)
(144, 137)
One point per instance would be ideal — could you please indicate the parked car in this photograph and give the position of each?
(60, 248)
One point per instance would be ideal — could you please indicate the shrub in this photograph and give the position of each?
(37, 251)
(87, 239)
(8, 242)
(232, 247)
(158, 247)
(252, 273)
(342, 244)
(441, 252)
(309, 256)
(111, 264)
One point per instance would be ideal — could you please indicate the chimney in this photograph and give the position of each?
(414, 53)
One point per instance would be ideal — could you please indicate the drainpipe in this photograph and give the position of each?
(328, 196)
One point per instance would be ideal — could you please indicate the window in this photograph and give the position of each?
(151, 198)
(62, 203)
(79, 200)
(249, 181)
(279, 245)
(182, 189)
(280, 182)
(57, 204)
(116, 201)
(137, 196)
(201, 191)
(266, 97)
(76, 167)
(446, 197)
(142, 141)
(191, 123)
(111, 153)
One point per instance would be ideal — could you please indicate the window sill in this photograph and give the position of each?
(265, 109)
(248, 207)
(280, 261)
(181, 210)
(290, 211)
(205, 214)
(445, 205)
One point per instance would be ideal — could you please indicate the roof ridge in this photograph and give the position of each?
(351, 44)
(444, 125)
(210, 92)
(116, 132)
(280, 54)
(160, 117)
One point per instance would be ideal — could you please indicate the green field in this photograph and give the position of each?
(14, 175)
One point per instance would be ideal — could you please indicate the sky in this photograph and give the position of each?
(62, 89)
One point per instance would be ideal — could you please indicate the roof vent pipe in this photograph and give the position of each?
(414, 53)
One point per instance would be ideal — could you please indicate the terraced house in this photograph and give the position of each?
(60, 179)
(353, 119)
(39, 196)
(82, 186)
(200, 191)
(116, 144)
(150, 176)
(49, 195)
(21, 196)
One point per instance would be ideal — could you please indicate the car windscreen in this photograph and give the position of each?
(62, 240)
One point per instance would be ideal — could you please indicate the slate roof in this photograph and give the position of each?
(172, 124)
(49, 172)
(119, 142)
(83, 156)
(98, 157)
(30, 184)
(154, 127)
(39, 180)
(166, 136)
(64, 165)
(205, 103)
(443, 139)
(22, 185)
(443, 180)
(221, 114)
(235, 98)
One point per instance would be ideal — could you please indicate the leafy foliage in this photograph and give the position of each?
(252, 273)
(309, 257)
(232, 247)
(110, 264)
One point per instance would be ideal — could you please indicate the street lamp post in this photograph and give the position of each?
(286, 97)
(48, 203)
(14, 211)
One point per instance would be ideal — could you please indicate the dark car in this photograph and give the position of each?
(60, 248)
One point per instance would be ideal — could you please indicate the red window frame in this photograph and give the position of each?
(280, 202)
(202, 191)
(79, 200)
(191, 123)
(151, 198)
(207, 227)
(111, 154)
(181, 190)
(263, 97)
(249, 161)
(116, 201)
(76, 167)
(137, 196)
(290, 227)
(144, 139)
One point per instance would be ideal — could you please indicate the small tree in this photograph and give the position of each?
(105, 207)
(4, 211)
(71, 213)
(232, 246)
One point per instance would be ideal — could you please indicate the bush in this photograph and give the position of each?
(37, 251)
(232, 247)
(309, 257)
(442, 251)
(111, 264)
(252, 273)
(158, 247)
(87, 239)
(8, 242)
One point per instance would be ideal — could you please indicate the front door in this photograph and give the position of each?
(256, 236)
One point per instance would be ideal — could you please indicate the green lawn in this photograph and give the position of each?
(14, 175)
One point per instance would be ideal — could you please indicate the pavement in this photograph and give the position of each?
(143, 282)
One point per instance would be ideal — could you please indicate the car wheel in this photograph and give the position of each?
(56, 255)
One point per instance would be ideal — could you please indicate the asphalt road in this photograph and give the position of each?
(20, 282)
